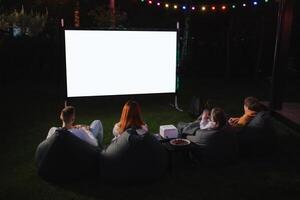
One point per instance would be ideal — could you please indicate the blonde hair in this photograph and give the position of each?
(218, 116)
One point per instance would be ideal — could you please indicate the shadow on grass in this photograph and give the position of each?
(255, 178)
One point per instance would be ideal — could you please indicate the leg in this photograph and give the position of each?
(180, 127)
(97, 130)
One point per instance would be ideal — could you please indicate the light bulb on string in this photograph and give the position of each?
(204, 7)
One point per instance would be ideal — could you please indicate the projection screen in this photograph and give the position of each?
(111, 62)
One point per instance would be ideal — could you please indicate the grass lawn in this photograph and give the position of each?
(30, 113)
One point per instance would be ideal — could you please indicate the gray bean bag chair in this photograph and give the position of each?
(130, 159)
(63, 157)
(215, 147)
(258, 138)
(133, 158)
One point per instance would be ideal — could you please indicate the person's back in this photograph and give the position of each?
(251, 107)
(92, 134)
(130, 118)
(133, 154)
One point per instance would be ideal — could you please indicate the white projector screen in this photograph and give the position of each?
(111, 62)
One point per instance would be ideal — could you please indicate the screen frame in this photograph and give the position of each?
(64, 63)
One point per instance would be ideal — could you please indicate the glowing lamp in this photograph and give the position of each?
(175, 6)
(150, 2)
(193, 8)
(203, 8)
(167, 5)
(213, 7)
(223, 7)
(158, 4)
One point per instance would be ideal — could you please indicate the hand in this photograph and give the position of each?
(233, 121)
(205, 115)
(82, 126)
(78, 126)
(86, 127)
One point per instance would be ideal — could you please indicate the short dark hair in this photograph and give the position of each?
(67, 113)
(253, 104)
(218, 116)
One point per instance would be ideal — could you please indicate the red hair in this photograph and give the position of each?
(131, 116)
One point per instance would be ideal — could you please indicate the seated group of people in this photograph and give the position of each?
(131, 118)
(216, 118)
(93, 133)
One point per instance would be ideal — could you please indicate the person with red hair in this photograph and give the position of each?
(131, 117)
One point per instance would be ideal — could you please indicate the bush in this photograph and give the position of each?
(20, 23)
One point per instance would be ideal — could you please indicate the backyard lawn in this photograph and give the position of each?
(30, 112)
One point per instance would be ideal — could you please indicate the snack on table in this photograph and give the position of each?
(180, 142)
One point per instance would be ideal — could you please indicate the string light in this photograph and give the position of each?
(197, 6)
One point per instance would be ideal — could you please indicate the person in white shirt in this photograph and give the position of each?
(212, 120)
(92, 134)
(130, 118)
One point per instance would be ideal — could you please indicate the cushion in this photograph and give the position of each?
(64, 157)
(215, 147)
(133, 158)
(257, 138)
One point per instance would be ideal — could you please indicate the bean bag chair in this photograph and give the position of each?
(215, 147)
(258, 137)
(63, 157)
(133, 158)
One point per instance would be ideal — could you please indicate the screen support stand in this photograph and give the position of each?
(66, 103)
(175, 105)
